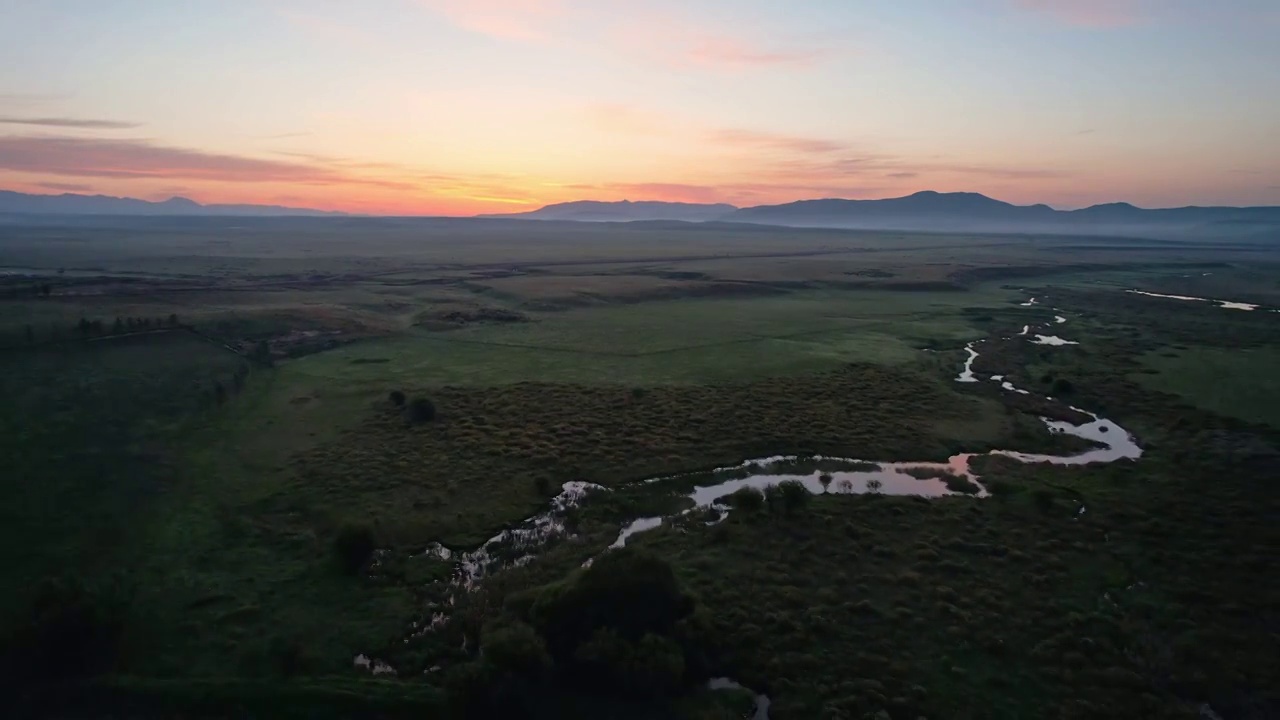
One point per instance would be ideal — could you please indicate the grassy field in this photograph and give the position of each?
(559, 352)
(1240, 383)
(85, 431)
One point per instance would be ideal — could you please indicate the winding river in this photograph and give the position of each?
(516, 546)
(1227, 304)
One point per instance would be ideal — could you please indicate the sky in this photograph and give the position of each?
(456, 107)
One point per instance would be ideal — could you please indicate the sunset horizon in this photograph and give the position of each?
(445, 107)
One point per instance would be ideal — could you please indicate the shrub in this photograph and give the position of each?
(397, 398)
(748, 499)
(421, 410)
(353, 546)
(1062, 386)
(792, 495)
(657, 665)
(516, 648)
(961, 484)
(629, 592)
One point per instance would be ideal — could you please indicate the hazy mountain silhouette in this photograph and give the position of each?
(623, 211)
(922, 211)
(935, 211)
(940, 212)
(71, 204)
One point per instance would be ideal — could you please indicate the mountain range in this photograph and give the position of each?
(922, 211)
(72, 204)
(625, 211)
(934, 211)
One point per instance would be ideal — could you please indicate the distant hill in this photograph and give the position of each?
(934, 211)
(624, 211)
(71, 204)
(940, 212)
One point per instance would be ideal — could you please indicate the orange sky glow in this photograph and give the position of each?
(458, 107)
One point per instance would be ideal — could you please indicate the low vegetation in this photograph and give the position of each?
(217, 513)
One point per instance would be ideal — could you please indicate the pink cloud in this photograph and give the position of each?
(524, 20)
(139, 159)
(1088, 13)
(66, 187)
(726, 52)
(623, 118)
(678, 42)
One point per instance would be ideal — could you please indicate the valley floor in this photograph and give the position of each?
(181, 506)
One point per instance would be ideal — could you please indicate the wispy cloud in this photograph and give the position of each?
(756, 140)
(135, 159)
(65, 122)
(667, 39)
(1088, 13)
(525, 20)
(787, 163)
(727, 52)
(681, 43)
(628, 119)
(66, 187)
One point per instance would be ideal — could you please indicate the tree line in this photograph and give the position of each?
(97, 327)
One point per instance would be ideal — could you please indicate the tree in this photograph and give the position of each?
(30, 333)
(516, 648)
(629, 592)
(421, 410)
(219, 392)
(83, 326)
(790, 496)
(1062, 386)
(873, 486)
(353, 546)
(748, 499)
(45, 290)
(397, 398)
(173, 320)
(117, 327)
(825, 479)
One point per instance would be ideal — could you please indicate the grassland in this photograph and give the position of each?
(1210, 378)
(611, 354)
